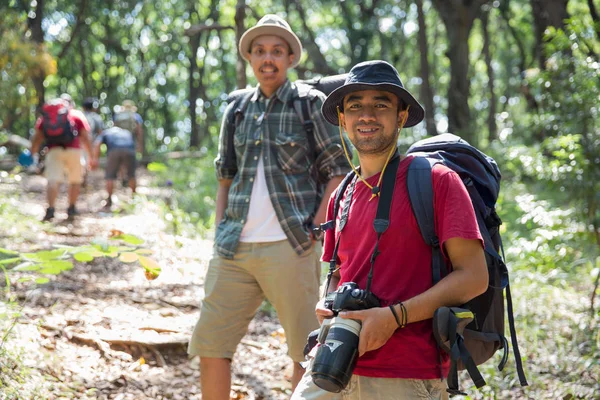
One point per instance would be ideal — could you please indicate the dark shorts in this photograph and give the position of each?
(118, 158)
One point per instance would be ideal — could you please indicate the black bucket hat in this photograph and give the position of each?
(373, 75)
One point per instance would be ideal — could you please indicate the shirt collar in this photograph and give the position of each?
(283, 93)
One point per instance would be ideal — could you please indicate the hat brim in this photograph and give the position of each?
(416, 113)
(275, 30)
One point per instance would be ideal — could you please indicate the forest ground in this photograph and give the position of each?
(101, 330)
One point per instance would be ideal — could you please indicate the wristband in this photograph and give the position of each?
(396, 316)
(404, 315)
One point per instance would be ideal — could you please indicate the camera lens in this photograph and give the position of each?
(336, 357)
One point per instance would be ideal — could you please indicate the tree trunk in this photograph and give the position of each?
(491, 117)
(426, 91)
(458, 17)
(193, 91)
(37, 35)
(546, 13)
(240, 66)
(320, 64)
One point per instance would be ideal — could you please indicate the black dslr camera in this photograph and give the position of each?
(350, 297)
(338, 338)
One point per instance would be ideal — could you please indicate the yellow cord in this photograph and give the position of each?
(391, 153)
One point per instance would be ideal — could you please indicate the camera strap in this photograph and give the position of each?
(382, 217)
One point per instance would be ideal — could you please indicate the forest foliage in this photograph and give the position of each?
(518, 78)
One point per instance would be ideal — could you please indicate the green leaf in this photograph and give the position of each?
(128, 257)
(144, 251)
(8, 252)
(156, 167)
(50, 270)
(41, 280)
(9, 260)
(27, 266)
(42, 256)
(63, 265)
(84, 257)
(131, 239)
(150, 265)
(122, 249)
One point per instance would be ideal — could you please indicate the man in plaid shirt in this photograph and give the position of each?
(267, 202)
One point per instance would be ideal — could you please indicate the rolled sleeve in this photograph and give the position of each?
(225, 169)
(331, 160)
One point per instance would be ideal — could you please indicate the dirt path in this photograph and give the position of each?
(102, 331)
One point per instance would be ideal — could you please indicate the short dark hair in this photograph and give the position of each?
(90, 103)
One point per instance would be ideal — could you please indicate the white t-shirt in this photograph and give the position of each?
(262, 224)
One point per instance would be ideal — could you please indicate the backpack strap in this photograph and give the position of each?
(420, 193)
(234, 118)
(302, 105)
(513, 338)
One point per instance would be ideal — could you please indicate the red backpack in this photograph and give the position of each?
(56, 126)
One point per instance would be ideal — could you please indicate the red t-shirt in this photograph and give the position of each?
(78, 120)
(403, 268)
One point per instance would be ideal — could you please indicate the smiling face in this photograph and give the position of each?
(270, 58)
(371, 119)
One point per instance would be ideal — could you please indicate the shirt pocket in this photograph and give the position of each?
(292, 153)
(239, 142)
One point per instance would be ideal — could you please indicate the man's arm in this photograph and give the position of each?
(139, 136)
(96, 150)
(468, 279)
(222, 198)
(84, 136)
(36, 141)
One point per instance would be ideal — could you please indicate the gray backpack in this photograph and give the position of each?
(126, 120)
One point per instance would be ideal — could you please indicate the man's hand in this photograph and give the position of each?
(322, 312)
(378, 325)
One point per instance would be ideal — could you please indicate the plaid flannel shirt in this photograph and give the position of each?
(272, 129)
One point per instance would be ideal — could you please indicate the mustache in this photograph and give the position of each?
(268, 66)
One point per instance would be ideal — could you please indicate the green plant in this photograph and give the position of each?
(43, 263)
(190, 186)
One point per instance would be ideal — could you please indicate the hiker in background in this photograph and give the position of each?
(90, 107)
(126, 117)
(267, 201)
(64, 131)
(120, 153)
(397, 354)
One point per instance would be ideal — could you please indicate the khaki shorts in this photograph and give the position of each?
(61, 162)
(235, 289)
(367, 388)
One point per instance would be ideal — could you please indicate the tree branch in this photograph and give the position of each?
(78, 22)
(196, 29)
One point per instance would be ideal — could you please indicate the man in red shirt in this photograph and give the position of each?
(395, 362)
(63, 160)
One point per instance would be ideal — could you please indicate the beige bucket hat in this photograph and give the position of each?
(271, 24)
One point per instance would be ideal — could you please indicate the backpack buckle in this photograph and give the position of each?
(493, 219)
